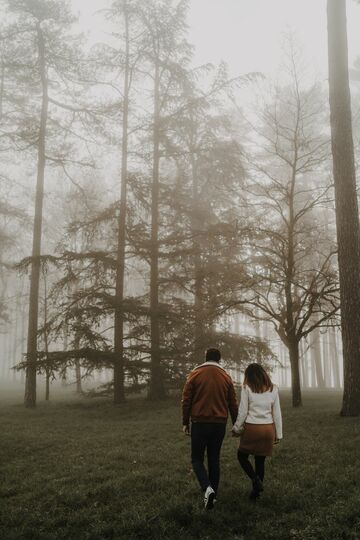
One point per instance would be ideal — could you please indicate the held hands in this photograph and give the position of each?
(237, 432)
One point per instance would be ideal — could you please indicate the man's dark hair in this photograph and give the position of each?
(213, 355)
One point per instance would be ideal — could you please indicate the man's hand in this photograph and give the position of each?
(186, 430)
(277, 441)
(237, 432)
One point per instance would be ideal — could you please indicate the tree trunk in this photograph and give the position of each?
(77, 362)
(316, 356)
(6, 355)
(156, 389)
(30, 378)
(282, 366)
(22, 337)
(46, 341)
(65, 345)
(16, 335)
(304, 365)
(258, 334)
(257, 328)
(295, 373)
(2, 81)
(199, 344)
(312, 364)
(326, 360)
(78, 377)
(47, 386)
(347, 213)
(286, 374)
(293, 343)
(237, 324)
(334, 358)
(119, 376)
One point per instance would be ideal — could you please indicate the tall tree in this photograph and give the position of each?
(294, 285)
(347, 212)
(44, 65)
(168, 55)
(30, 380)
(122, 57)
(119, 390)
(115, 70)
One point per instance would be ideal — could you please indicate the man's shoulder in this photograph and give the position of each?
(209, 365)
(207, 368)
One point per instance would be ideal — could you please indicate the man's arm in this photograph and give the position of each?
(186, 401)
(232, 403)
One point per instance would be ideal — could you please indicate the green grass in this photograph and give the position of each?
(87, 470)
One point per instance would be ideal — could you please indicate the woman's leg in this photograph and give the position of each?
(246, 465)
(260, 467)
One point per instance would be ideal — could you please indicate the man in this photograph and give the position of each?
(207, 396)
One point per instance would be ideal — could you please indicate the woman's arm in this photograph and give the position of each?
(243, 410)
(232, 403)
(277, 416)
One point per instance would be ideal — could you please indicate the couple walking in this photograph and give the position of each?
(208, 395)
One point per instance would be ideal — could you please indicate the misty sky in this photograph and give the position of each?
(249, 34)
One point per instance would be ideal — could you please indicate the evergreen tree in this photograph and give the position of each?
(44, 62)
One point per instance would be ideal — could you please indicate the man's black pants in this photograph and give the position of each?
(209, 437)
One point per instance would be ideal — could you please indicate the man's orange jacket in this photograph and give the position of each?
(208, 395)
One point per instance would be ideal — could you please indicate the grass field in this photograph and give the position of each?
(83, 469)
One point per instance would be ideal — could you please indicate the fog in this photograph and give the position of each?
(248, 36)
(179, 269)
(194, 251)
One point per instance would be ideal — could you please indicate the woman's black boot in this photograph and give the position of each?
(257, 488)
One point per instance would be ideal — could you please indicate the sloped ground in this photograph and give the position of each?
(87, 470)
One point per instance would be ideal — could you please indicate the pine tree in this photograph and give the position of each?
(46, 57)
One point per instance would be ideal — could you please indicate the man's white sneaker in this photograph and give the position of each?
(209, 498)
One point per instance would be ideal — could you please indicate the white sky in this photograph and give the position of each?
(248, 34)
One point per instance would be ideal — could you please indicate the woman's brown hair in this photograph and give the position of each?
(257, 379)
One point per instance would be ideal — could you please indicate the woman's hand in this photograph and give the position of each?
(237, 432)
(277, 441)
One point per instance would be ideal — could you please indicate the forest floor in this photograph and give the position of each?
(84, 469)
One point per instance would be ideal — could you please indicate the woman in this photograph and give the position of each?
(259, 423)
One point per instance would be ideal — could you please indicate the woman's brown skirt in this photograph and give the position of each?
(257, 439)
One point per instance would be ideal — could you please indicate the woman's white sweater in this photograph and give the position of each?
(262, 408)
